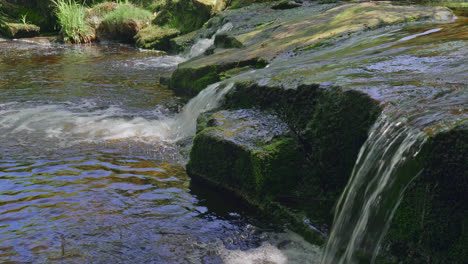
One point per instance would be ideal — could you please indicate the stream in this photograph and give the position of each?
(93, 149)
(91, 169)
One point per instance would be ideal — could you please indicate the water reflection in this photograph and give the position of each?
(84, 177)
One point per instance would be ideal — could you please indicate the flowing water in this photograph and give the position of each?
(384, 168)
(91, 170)
(421, 80)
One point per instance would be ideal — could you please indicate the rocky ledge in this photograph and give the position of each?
(288, 145)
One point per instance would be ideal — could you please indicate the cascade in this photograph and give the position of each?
(205, 43)
(184, 124)
(384, 168)
(65, 124)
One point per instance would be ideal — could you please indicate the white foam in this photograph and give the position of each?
(204, 44)
(83, 123)
(263, 254)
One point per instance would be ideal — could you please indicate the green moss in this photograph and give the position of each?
(155, 37)
(123, 23)
(19, 30)
(430, 224)
(235, 4)
(125, 12)
(272, 168)
(285, 4)
(225, 41)
(264, 25)
(185, 15)
(190, 81)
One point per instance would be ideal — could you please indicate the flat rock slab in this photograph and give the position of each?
(249, 128)
(311, 24)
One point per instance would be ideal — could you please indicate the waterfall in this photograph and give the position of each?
(205, 43)
(384, 168)
(184, 124)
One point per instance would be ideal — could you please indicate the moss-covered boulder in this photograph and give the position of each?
(295, 157)
(225, 41)
(250, 153)
(19, 30)
(39, 12)
(180, 43)
(285, 4)
(191, 80)
(123, 23)
(155, 37)
(331, 125)
(184, 15)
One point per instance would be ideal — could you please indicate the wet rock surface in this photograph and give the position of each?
(407, 61)
(250, 153)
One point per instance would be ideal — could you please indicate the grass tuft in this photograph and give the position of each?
(71, 17)
(124, 12)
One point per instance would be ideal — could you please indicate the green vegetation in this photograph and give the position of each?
(119, 21)
(155, 37)
(185, 15)
(124, 12)
(24, 19)
(71, 18)
(123, 23)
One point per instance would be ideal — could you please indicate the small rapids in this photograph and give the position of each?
(67, 127)
(91, 169)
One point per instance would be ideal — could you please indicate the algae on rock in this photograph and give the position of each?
(155, 37)
(297, 161)
(184, 15)
(19, 30)
(430, 223)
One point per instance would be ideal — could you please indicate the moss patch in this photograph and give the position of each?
(190, 81)
(184, 15)
(155, 37)
(326, 128)
(123, 23)
(19, 30)
(430, 225)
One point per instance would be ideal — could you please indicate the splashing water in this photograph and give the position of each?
(384, 168)
(169, 63)
(70, 128)
(183, 126)
(203, 44)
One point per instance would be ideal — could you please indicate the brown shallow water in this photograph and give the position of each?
(86, 175)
